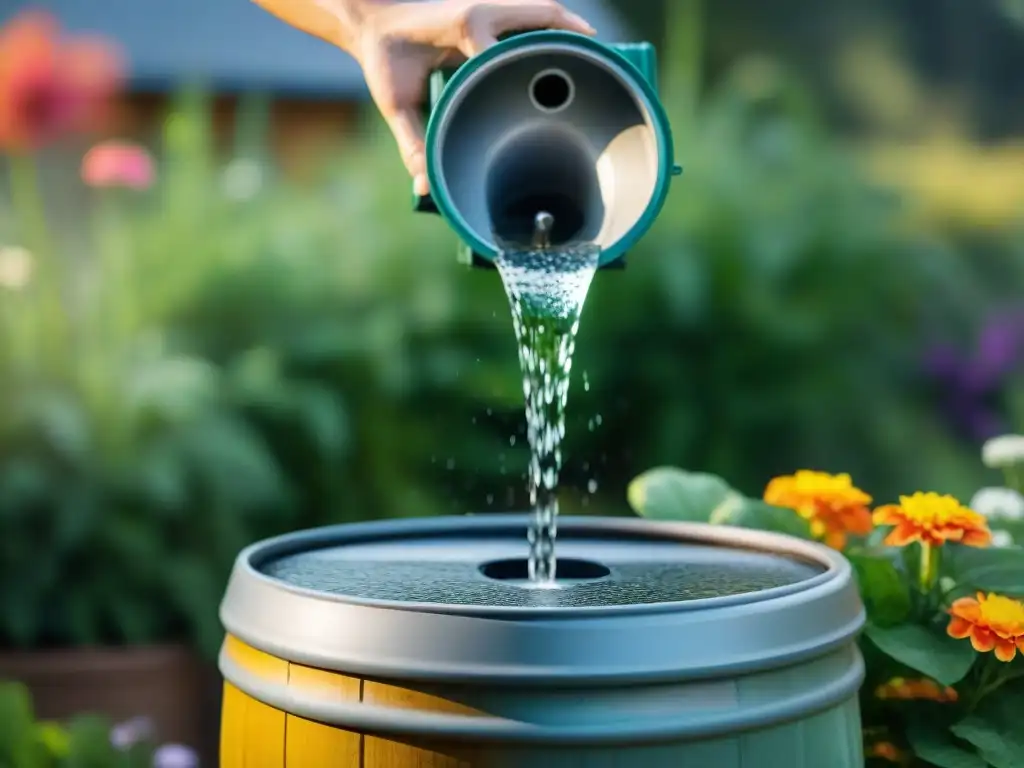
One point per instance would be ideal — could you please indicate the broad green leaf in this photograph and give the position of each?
(667, 493)
(989, 569)
(936, 746)
(936, 655)
(754, 513)
(884, 590)
(1001, 747)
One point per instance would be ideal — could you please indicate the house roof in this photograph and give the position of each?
(234, 45)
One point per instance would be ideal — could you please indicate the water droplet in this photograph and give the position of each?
(512, 440)
(450, 464)
(490, 499)
(592, 486)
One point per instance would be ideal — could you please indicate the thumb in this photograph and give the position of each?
(406, 125)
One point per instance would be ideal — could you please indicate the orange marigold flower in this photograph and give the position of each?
(908, 690)
(832, 504)
(886, 750)
(992, 622)
(932, 520)
(50, 86)
(118, 164)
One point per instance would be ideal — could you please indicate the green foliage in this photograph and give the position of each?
(905, 639)
(883, 588)
(667, 493)
(924, 650)
(989, 571)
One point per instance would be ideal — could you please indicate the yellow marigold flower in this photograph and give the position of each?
(832, 504)
(932, 520)
(885, 750)
(992, 622)
(907, 690)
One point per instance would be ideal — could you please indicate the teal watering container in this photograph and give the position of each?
(551, 122)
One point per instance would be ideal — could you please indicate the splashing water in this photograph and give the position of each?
(546, 287)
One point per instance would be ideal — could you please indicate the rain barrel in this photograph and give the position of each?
(419, 644)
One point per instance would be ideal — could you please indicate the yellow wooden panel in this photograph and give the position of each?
(264, 736)
(232, 728)
(385, 753)
(257, 662)
(315, 744)
(386, 695)
(263, 730)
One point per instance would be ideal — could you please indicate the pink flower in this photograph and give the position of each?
(49, 85)
(118, 164)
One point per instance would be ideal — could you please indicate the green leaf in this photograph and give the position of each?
(666, 493)
(754, 513)
(17, 744)
(936, 655)
(884, 590)
(989, 569)
(936, 746)
(90, 745)
(1001, 747)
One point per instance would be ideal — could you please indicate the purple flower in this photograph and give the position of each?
(126, 735)
(972, 383)
(175, 756)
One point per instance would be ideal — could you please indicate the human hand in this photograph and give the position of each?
(399, 44)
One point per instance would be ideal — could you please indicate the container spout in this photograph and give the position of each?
(542, 225)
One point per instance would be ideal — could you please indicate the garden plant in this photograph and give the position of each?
(943, 586)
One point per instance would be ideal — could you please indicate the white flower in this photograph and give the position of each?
(1002, 539)
(1004, 503)
(1003, 451)
(15, 267)
(126, 735)
(175, 756)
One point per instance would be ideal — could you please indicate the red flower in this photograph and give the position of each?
(118, 164)
(50, 86)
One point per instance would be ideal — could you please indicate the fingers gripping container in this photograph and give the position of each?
(549, 121)
(415, 644)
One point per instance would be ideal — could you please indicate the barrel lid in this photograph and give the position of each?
(446, 598)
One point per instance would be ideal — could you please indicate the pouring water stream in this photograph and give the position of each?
(546, 286)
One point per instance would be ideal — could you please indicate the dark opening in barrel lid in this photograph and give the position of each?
(448, 598)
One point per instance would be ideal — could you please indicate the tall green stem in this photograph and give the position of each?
(117, 285)
(1014, 476)
(929, 567)
(49, 323)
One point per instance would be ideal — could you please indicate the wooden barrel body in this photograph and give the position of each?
(303, 700)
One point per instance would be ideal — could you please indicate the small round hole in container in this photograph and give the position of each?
(551, 90)
(568, 569)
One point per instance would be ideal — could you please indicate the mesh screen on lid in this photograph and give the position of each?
(448, 572)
